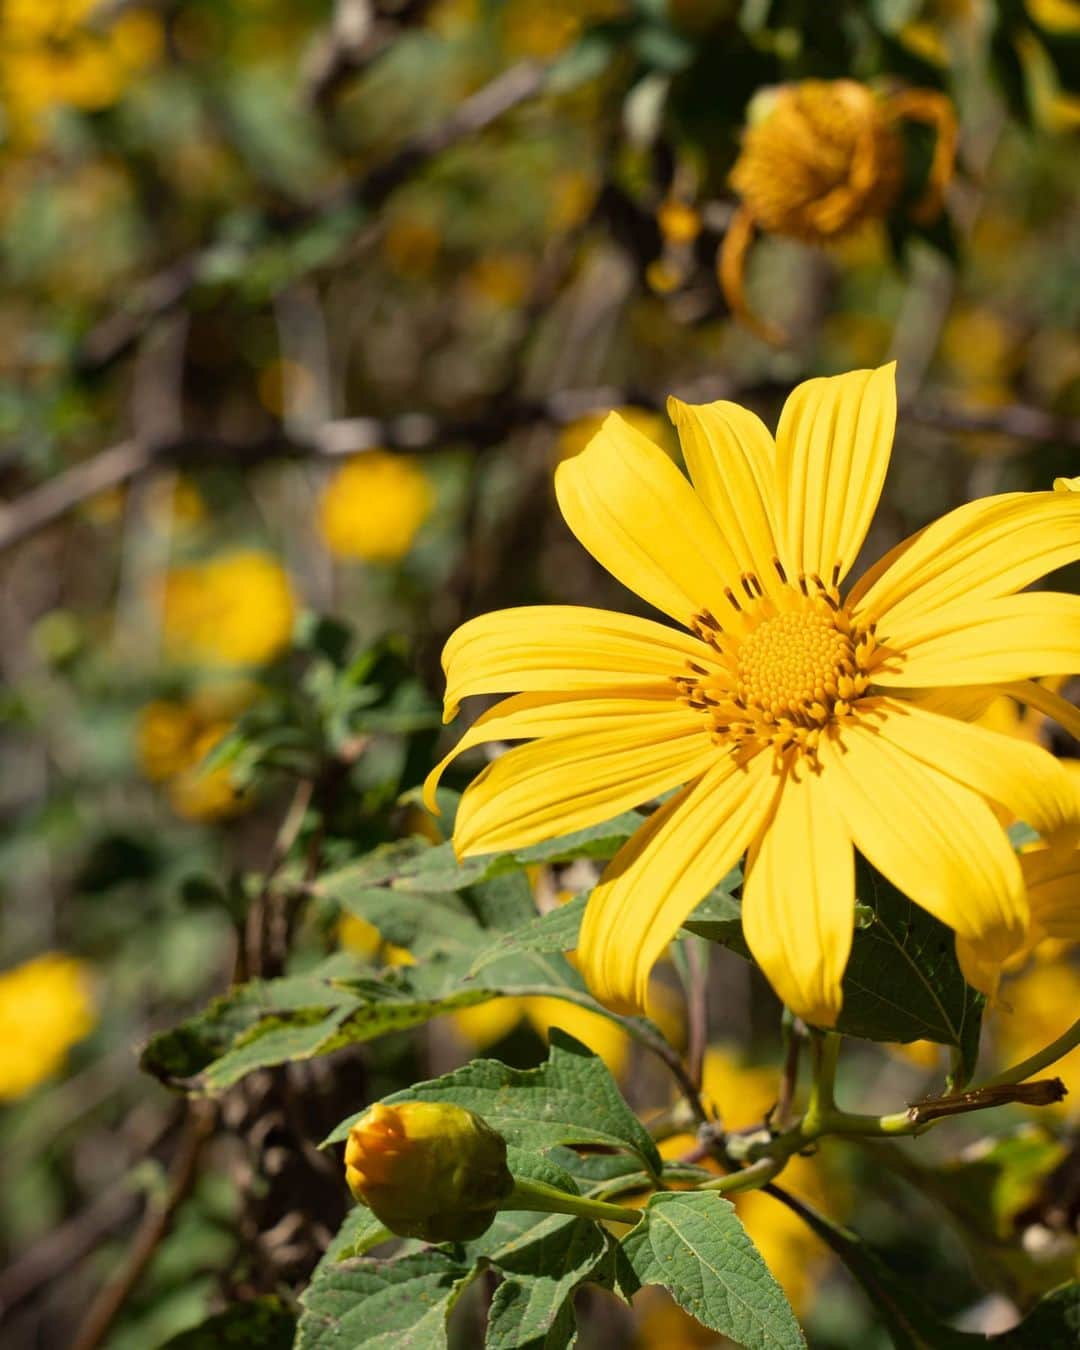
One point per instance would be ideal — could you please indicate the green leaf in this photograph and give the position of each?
(695, 1246)
(903, 982)
(532, 1308)
(359, 1232)
(570, 1099)
(556, 931)
(719, 916)
(382, 1305)
(261, 1324)
(1053, 1323)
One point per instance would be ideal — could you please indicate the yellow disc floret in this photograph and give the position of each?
(790, 665)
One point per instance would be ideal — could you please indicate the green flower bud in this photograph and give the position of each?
(428, 1169)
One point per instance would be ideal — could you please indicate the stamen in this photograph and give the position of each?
(780, 570)
(731, 596)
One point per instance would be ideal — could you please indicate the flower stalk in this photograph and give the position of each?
(539, 1197)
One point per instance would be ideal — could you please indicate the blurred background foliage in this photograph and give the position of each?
(302, 303)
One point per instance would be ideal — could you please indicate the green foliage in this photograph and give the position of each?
(695, 1246)
(262, 1324)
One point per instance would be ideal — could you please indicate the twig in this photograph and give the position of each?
(114, 336)
(153, 1229)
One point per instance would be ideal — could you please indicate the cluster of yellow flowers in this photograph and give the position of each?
(174, 737)
(374, 506)
(236, 609)
(54, 53)
(800, 723)
(46, 1007)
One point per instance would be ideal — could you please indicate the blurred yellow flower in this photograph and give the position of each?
(373, 507)
(544, 30)
(499, 280)
(363, 938)
(486, 1023)
(46, 1007)
(173, 739)
(679, 222)
(1056, 16)
(1035, 1008)
(820, 159)
(51, 54)
(234, 609)
(411, 245)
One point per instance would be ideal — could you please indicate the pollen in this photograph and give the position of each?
(791, 665)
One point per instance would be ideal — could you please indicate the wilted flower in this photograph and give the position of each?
(819, 160)
(373, 507)
(45, 1008)
(429, 1170)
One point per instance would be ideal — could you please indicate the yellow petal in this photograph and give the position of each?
(526, 716)
(661, 873)
(732, 462)
(980, 551)
(564, 783)
(1022, 776)
(833, 445)
(1052, 876)
(799, 900)
(562, 647)
(985, 642)
(934, 839)
(1046, 701)
(638, 516)
(979, 966)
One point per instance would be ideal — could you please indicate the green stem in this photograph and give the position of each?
(536, 1196)
(822, 1103)
(1048, 1055)
(747, 1179)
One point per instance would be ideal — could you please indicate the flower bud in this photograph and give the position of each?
(428, 1169)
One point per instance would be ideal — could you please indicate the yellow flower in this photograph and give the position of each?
(359, 936)
(819, 160)
(374, 506)
(798, 721)
(236, 609)
(1035, 1008)
(174, 738)
(428, 1169)
(45, 1009)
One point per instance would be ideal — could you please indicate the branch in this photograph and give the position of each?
(153, 1229)
(114, 336)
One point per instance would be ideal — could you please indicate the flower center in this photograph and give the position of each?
(784, 667)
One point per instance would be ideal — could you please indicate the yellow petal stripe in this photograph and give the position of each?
(640, 519)
(564, 783)
(934, 839)
(985, 642)
(799, 900)
(982, 550)
(1052, 876)
(833, 445)
(561, 647)
(528, 715)
(1022, 776)
(732, 462)
(660, 874)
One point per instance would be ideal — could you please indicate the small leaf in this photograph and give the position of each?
(695, 1246)
(556, 931)
(382, 1305)
(532, 1308)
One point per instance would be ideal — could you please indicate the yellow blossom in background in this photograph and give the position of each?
(499, 280)
(363, 938)
(819, 160)
(576, 435)
(982, 352)
(799, 723)
(544, 30)
(1056, 16)
(374, 506)
(411, 245)
(235, 609)
(679, 222)
(174, 737)
(571, 198)
(46, 1007)
(1035, 1008)
(52, 54)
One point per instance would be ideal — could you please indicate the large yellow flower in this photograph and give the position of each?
(798, 724)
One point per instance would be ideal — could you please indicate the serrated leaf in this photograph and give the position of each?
(260, 1324)
(570, 1099)
(695, 1246)
(382, 1305)
(532, 1309)
(555, 931)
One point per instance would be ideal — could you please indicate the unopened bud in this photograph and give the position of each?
(428, 1170)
